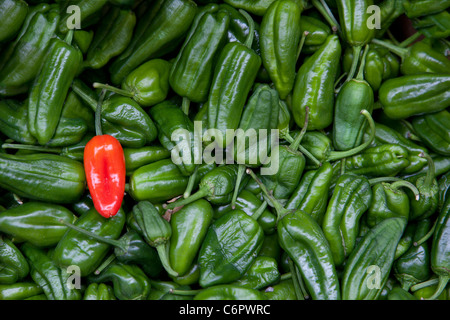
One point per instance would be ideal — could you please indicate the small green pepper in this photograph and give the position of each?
(398, 293)
(139, 157)
(229, 292)
(12, 14)
(284, 290)
(19, 290)
(99, 291)
(13, 265)
(262, 273)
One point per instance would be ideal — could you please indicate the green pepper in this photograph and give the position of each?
(12, 15)
(229, 292)
(111, 37)
(389, 201)
(81, 250)
(129, 281)
(234, 75)
(280, 37)
(419, 8)
(318, 32)
(48, 275)
(13, 121)
(157, 32)
(229, 248)
(87, 10)
(13, 265)
(355, 95)
(262, 273)
(192, 70)
(407, 240)
(440, 253)
(414, 265)
(427, 292)
(311, 194)
(417, 94)
(444, 188)
(99, 291)
(156, 231)
(313, 84)
(256, 7)
(163, 290)
(433, 130)
(189, 278)
(36, 223)
(50, 88)
(284, 290)
(418, 58)
(33, 176)
(367, 268)
(398, 293)
(189, 226)
(138, 157)
(433, 26)
(19, 290)
(83, 39)
(351, 198)
(21, 60)
(121, 117)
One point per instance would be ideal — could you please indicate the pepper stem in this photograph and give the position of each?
(401, 52)
(105, 264)
(191, 183)
(410, 40)
(260, 210)
(402, 183)
(431, 173)
(322, 7)
(303, 150)
(69, 37)
(240, 174)
(201, 193)
(443, 280)
(98, 114)
(185, 105)
(295, 144)
(354, 66)
(164, 257)
(336, 155)
(302, 43)
(295, 280)
(360, 75)
(251, 26)
(424, 284)
(122, 92)
(30, 147)
(427, 236)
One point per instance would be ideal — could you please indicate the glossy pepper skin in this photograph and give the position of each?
(50, 88)
(313, 84)
(318, 32)
(229, 248)
(376, 248)
(280, 36)
(75, 248)
(305, 243)
(262, 273)
(21, 60)
(13, 14)
(129, 281)
(433, 26)
(20, 290)
(99, 291)
(417, 94)
(258, 7)
(13, 265)
(33, 175)
(351, 198)
(433, 130)
(36, 222)
(139, 157)
(229, 292)
(48, 275)
(424, 7)
(189, 77)
(13, 121)
(189, 226)
(234, 75)
(162, 27)
(111, 37)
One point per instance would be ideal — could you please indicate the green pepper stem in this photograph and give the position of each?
(77, 88)
(286, 276)
(401, 52)
(251, 29)
(431, 173)
(322, 7)
(427, 236)
(69, 37)
(410, 40)
(105, 264)
(260, 210)
(201, 193)
(360, 75)
(302, 149)
(115, 243)
(98, 114)
(356, 53)
(281, 211)
(164, 257)
(443, 280)
(191, 183)
(122, 92)
(185, 105)
(302, 43)
(383, 179)
(295, 280)
(294, 145)
(402, 183)
(336, 155)
(31, 147)
(240, 174)
(424, 284)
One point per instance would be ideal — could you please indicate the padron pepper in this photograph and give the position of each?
(313, 84)
(416, 94)
(374, 253)
(12, 14)
(280, 37)
(317, 30)
(433, 26)
(192, 70)
(50, 88)
(262, 273)
(13, 121)
(234, 75)
(229, 292)
(99, 291)
(20, 290)
(398, 293)
(420, 8)
(139, 157)
(158, 31)
(13, 265)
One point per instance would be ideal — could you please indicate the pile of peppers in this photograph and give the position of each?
(95, 206)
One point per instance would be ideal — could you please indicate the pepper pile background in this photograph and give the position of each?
(359, 209)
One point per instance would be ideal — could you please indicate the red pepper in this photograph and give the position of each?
(104, 164)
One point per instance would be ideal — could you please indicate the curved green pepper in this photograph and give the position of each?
(318, 32)
(48, 275)
(50, 88)
(280, 37)
(314, 83)
(351, 197)
(129, 281)
(189, 226)
(416, 94)
(162, 27)
(373, 254)
(34, 175)
(138, 157)
(111, 37)
(424, 7)
(229, 248)
(77, 249)
(192, 70)
(13, 265)
(99, 291)
(12, 15)
(19, 290)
